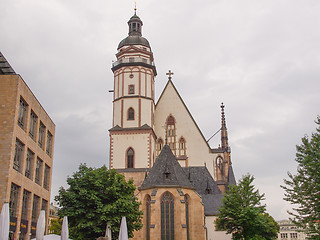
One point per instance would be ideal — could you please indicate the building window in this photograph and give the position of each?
(13, 205)
(219, 164)
(29, 164)
(42, 131)
(182, 147)
(44, 205)
(131, 59)
(22, 113)
(33, 125)
(49, 144)
(167, 216)
(148, 216)
(293, 235)
(25, 203)
(131, 89)
(284, 235)
(130, 114)
(18, 154)
(171, 133)
(46, 177)
(187, 202)
(159, 146)
(38, 171)
(35, 208)
(130, 158)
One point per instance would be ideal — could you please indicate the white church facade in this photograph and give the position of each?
(159, 145)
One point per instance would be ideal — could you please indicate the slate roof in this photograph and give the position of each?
(231, 177)
(5, 68)
(206, 187)
(118, 128)
(166, 172)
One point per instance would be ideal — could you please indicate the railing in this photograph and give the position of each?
(133, 60)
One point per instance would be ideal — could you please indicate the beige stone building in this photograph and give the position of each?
(180, 178)
(289, 231)
(26, 153)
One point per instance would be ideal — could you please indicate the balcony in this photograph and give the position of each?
(134, 61)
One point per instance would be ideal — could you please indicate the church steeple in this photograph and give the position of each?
(224, 133)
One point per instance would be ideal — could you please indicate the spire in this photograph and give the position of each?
(135, 24)
(224, 133)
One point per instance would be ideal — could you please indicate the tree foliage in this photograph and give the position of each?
(243, 215)
(95, 197)
(303, 188)
(55, 226)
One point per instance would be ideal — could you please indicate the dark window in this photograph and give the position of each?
(35, 208)
(44, 205)
(49, 144)
(131, 89)
(46, 177)
(148, 216)
(170, 120)
(22, 113)
(130, 114)
(29, 164)
(131, 59)
(18, 154)
(186, 199)
(33, 125)
(167, 217)
(42, 131)
(14, 199)
(38, 171)
(130, 157)
(25, 203)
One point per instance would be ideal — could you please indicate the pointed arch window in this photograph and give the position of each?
(148, 216)
(187, 203)
(182, 147)
(167, 216)
(171, 133)
(131, 114)
(159, 146)
(130, 158)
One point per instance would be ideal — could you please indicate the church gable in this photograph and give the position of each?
(174, 122)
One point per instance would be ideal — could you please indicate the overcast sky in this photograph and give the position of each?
(261, 58)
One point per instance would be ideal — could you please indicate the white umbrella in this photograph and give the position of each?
(50, 237)
(4, 222)
(123, 234)
(108, 232)
(41, 225)
(64, 229)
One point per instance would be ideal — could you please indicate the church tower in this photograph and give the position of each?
(132, 136)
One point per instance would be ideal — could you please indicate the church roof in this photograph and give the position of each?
(231, 177)
(5, 68)
(206, 187)
(118, 128)
(166, 172)
(134, 40)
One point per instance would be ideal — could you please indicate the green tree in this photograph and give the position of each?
(243, 215)
(55, 226)
(95, 197)
(303, 188)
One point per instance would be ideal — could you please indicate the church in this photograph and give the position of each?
(180, 179)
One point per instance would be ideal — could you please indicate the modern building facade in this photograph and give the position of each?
(26, 153)
(180, 179)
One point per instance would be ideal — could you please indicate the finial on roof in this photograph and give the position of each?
(208, 189)
(169, 75)
(166, 171)
(135, 8)
(224, 133)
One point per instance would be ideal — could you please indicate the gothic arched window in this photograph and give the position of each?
(167, 216)
(219, 163)
(171, 133)
(159, 146)
(148, 216)
(131, 114)
(130, 158)
(182, 146)
(187, 202)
